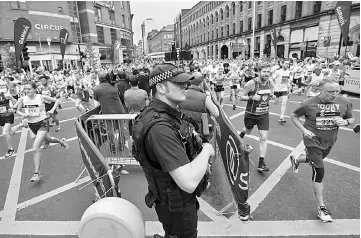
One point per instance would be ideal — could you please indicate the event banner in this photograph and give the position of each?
(94, 164)
(274, 38)
(343, 13)
(22, 28)
(234, 157)
(64, 36)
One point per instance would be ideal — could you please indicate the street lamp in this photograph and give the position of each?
(41, 48)
(143, 32)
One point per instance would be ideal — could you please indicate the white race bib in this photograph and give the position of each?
(3, 109)
(32, 112)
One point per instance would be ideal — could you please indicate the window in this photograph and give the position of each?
(123, 20)
(270, 17)
(122, 4)
(227, 30)
(250, 23)
(317, 7)
(240, 6)
(241, 26)
(259, 21)
(298, 9)
(60, 9)
(75, 30)
(212, 19)
(234, 9)
(100, 33)
(113, 35)
(283, 13)
(112, 17)
(250, 5)
(221, 32)
(227, 12)
(72, 8)
(221, 13)
(98, 14)
(216, 17)
(212, 35)
(258, 44)
(17, 5)
(216, 33)
(234, 28)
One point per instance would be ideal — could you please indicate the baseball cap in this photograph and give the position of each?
(170, 72)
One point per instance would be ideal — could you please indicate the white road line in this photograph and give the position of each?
(210, 212)
(12, 196)
(50, 194)
(309, 228)
(30, 150)
(236, 115)
(341, 164)
(261, 193)
(276, 114)
(72, 99)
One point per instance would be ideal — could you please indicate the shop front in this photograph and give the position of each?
(303, 42)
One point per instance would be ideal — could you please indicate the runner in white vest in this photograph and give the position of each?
(32, 108)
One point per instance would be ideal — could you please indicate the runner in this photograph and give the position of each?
(313, 81)
(219, 86)
(49, 91)
(38, 122)
(282, 80)
(324, 114)
(257, 93)
(82, 93)
(234, 79)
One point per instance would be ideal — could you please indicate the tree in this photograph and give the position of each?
(8, 58)
(91, 56)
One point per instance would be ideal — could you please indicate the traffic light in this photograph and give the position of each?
(82, 55)
(25, 52)
(349, 43)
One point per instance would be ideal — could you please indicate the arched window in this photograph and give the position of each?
(216, 17)
(233, 9)
(227, 12)
(212, 19)
(280, 38)
(221, 13)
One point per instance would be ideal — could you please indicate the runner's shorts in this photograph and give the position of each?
(234, 87)
(219, 88)
(315, 156)
(70, 87)
(262, 121)
(7, 118)
(49, 106)
(39, 126)
(280, 94)
(341, 83)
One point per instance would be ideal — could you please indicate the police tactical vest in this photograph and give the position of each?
(158, 181)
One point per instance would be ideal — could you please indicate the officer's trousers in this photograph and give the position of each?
(188, 217)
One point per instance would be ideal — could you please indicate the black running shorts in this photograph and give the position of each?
(262, 121)
(6, 119)
(39, 126)
(280, 94)
(315, 156)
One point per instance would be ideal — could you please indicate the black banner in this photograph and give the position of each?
(94, 164)
(64, 36)
(22, 28)
(274, 39)
(234, 156)
(343, 13)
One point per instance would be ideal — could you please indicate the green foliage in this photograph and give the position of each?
(8, 57)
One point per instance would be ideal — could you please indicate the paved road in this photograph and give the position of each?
(282, 203)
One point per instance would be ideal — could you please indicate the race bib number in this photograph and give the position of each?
(3, 109)
(33, 112)
(45, 92)
(325, 120)
(262, 109)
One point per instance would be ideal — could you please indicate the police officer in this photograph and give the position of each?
(174, 177)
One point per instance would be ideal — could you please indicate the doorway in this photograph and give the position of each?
(224, 52)
(280, 51)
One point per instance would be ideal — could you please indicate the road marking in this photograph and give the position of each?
(236, 115)
(309, 228)
(30, 150)
(332, 161)
(261, 193)
(211, 212)
(12, 196)
(301, 119)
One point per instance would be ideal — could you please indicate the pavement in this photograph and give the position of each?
(282, 203)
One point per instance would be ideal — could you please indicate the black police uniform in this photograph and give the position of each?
(160, 146)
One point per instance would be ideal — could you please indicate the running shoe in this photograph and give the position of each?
(123, 171)
(324, 214)
(294, 165)
(36, 177)
(52, 124)
(282, 120)
(9, 153)
(262, 167)
(57, 129)
(234, 107)
(60, 107)
(64, 144)
(46, 145)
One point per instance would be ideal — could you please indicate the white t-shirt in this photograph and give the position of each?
(281, 80)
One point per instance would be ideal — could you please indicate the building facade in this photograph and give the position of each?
(101, 22)
(160, 41)
(220, 29)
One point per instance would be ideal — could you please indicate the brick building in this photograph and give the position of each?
(219, 29)
(104, 22)
(160, 41)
